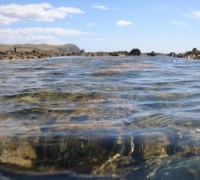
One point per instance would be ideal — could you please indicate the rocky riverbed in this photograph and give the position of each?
(101, 154)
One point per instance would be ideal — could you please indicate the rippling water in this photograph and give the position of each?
(100, 118)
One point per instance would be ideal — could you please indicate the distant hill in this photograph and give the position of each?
(66, 48)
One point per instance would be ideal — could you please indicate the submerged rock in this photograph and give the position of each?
(74, 140)
(95, 154)
(186, 169)
(70, 153)
(151, 145)
(18, 152)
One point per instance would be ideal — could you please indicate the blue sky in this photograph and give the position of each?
(106, 25)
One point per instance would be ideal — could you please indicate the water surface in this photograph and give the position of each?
(100, 118)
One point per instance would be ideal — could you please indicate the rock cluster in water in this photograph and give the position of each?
(35, 54)
(194, 54)
(117, 53)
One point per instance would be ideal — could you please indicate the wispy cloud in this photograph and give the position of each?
(90, 25)
(176, 23)
(37, 35)
(43, 12)
(166, 7)
(122, 23)
(194, 15)
(101, 7)
(106, 40)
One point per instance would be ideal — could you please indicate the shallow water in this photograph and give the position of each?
(100, 118)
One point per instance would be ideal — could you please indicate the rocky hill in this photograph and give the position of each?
(34, 51)
(66, 48)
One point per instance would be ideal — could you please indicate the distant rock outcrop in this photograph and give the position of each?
(116, 53)
(34, 51)
(70, 48)
(152, 54)
(194, 54)
(66, 48)
(135, 52)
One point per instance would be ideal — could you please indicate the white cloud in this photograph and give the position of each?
(37, 35)
(194, 15)
(124, 23)
(101, 7)
(7, 21)
(43, 12)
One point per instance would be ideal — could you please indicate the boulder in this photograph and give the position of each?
(195, 51)
(150, 145)
(152, 54)
(135, 52)
(18, 152)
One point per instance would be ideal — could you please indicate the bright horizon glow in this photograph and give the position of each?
(168, 26)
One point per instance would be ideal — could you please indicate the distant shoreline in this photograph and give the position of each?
(14, 54)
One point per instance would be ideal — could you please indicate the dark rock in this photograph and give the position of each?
(135, 52)
(152, 54)
(194, 54)
(180, 55)
(113, 54)
(151, 145)
(195, 51)
(172, 54)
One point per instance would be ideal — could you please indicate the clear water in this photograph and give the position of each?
(100, 118)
